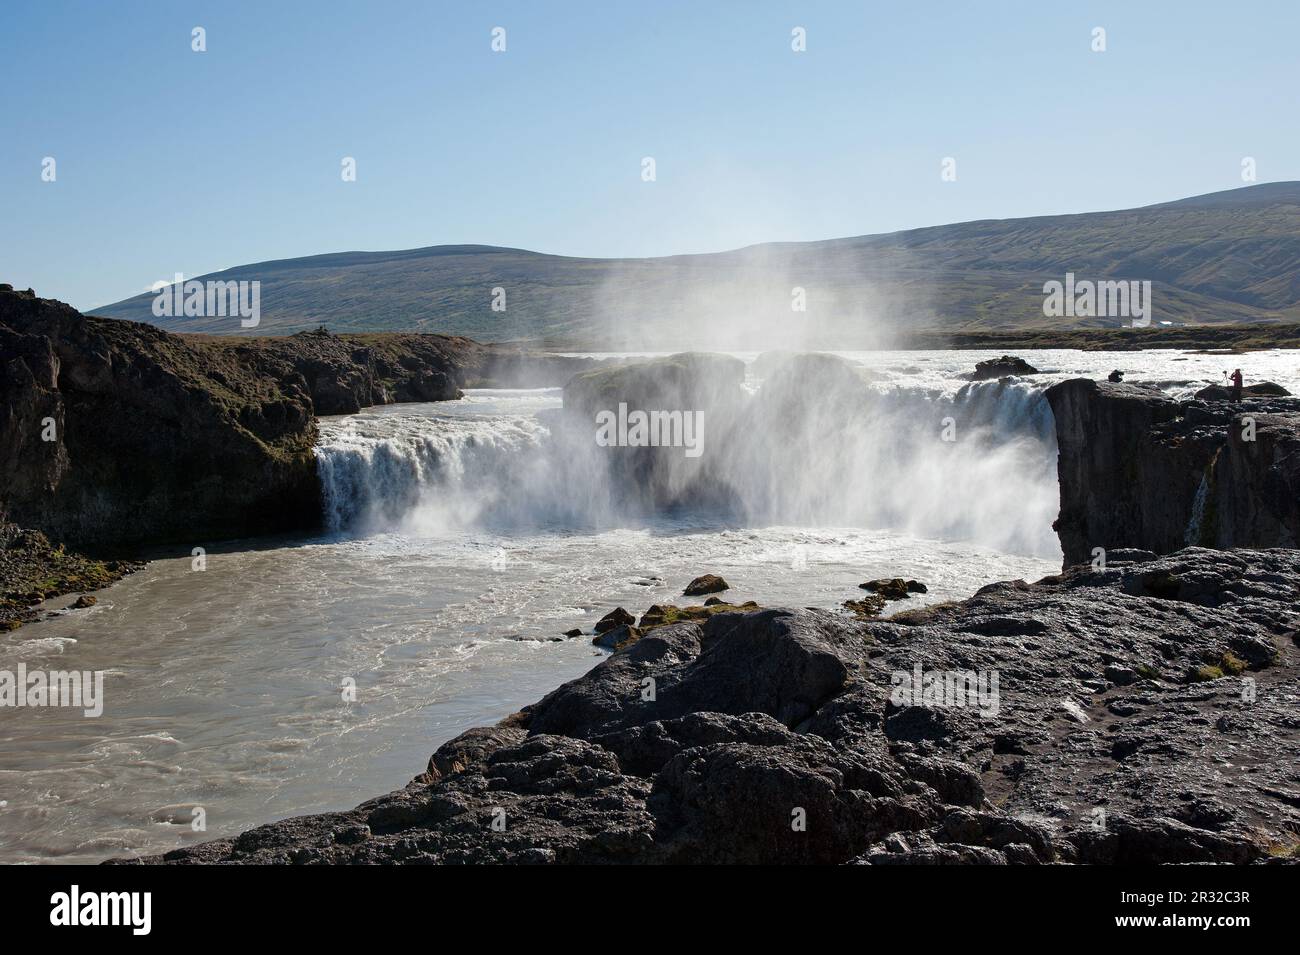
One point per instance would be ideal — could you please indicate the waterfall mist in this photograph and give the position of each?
(805, 441)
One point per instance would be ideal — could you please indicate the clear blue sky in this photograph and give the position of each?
(174, 161)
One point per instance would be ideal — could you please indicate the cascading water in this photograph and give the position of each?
(495, 463)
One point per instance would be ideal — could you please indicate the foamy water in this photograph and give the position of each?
(460, 549)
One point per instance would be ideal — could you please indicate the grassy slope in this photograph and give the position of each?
(1228, 257)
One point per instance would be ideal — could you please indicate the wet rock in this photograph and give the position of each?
(866, 607)
(84, 601)
(708, 584)
(617, 617)
(575, 632)
(618, 637)
(1263, 389)
(665, 614)
(894, 588)
(1002, 367)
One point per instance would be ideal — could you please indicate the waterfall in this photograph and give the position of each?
(823, 460)
(1192, 536)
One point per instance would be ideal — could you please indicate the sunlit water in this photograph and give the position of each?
(456, 559)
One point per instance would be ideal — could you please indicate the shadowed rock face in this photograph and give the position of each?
(1140, 469)
(777, 736)
(154, 436)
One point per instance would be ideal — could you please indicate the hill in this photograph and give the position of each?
(1226, 257)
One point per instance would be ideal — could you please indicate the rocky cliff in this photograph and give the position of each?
(1140, 469)
(1143, 714)
(115, 433)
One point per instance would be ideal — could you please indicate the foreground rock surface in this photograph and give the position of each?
(1142, 470)
(782, 736)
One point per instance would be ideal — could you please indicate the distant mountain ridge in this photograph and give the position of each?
(1225, 257)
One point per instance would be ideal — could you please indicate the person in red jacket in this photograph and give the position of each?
(1236, 385)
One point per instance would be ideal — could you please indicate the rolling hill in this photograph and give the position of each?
(1226, 257)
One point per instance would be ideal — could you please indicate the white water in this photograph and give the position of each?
(461, 548)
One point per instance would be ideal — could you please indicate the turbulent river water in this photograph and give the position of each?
(460, 546)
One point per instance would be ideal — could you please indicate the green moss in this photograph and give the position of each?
(1232, 664)
(662, 615)
(1147, 671)
(1204, 674)
(1283, 850)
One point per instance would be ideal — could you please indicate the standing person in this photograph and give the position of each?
(1236, 385)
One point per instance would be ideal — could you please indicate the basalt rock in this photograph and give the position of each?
(804, 737)
(118, 432)
(1139, 469)
(1002, 367)
(708, 584)
(1263, 389)
(894, 588)
(617, 617)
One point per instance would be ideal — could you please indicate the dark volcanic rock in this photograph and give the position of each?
(1141, 470)
(1263, 389)
(784, 736)
(616, 638)
(1002, 367)
(708, 584)
(894, 588)
(617, 617)
(153, 436)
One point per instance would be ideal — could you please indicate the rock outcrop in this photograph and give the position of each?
(706, 584)
(1139, 469)
(1264, 389)
(1006, 366)
(1061, 721)
(116, 433)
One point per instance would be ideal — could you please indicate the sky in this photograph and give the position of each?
(170, 160)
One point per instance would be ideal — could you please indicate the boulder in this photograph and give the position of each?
(894, 588)
(1003, 367)
(708, 584)
(617, 617)
(1263, 389)
(618, 637)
